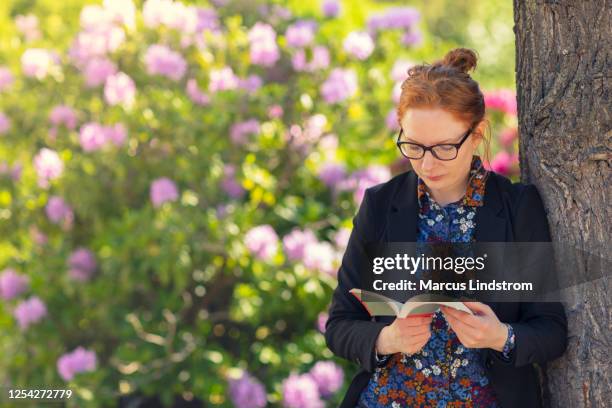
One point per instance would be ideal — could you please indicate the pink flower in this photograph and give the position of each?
(503, 100)
(391, 121)
(163, 190)
(195, 94)
(120, 90)
(328, 376)
(300, 34)
(341, 238)
(97, 71)
(116, 134)
(296, 242)
(321, 257)
(63, 115)
(301, 391)
(5, 123)
(6, 78)
(508, 135)
(340, 85)
(48, 166)
(37, 62)
(320, 59)
(28, 26)
(78, 361)
(501, 163)
(161, 60)
(263, 48)
(322, 321)
(222, 80)
(251, 83)
(262, 242)
(92, 136)
(12, 284)
(29, 311)
(175, 15)
(359, 45)
(399, 72)
(59, 212)
(275, 111)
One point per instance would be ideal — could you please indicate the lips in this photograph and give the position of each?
(434, 177)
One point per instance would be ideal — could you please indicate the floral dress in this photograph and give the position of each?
(444, 373)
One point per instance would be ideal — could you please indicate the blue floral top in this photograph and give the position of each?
(444, 373)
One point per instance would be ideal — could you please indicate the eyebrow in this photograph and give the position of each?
(445, 141)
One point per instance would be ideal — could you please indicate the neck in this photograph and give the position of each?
(450, 194)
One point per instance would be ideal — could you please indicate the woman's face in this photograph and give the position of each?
(430, 126)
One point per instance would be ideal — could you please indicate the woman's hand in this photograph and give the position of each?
(407, 335)
(481, 330)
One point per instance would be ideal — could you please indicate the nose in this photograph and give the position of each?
(428, 161)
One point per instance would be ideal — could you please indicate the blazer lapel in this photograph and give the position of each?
(403, 216)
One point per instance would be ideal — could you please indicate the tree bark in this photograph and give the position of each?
(565, 144)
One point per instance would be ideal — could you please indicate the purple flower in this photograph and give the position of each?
(208, 19)
(119, 89)
(97, 71)
(263, 48)
(12, 284)
(229, 183)
(222, 80)
(117, 134)
(247, 392)
(328, 376)
(412, 37)
(95, 42)
(59, 212)
(161, 60)
(78, 361)
(251, 83)
(358, 44)
(332, 173)
(5, 123)
(175, 15)
(392, 18)
(163, 190)
(48, 166)
(6, 78)
(502, 163)
(301, 391)
(63, 115)
(241, 130)
(37, 62)
(331, 8)
(296, 242)
(82, 264)
(360, 180)
(508, 135)
(262, 242)
(320, 59)
(29, 311)
(195, 93)
(300, 34)
(391, 121)
(340, 85)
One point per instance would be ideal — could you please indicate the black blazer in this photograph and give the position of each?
(389, 213)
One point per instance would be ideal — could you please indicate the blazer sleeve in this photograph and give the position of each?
(350, 333)
(541, 332)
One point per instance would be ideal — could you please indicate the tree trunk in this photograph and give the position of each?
(563, 87)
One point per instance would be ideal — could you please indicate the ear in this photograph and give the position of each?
(478, 134)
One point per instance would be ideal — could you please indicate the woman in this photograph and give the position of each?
(452, 358)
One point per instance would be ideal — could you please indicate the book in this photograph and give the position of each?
(420, 305)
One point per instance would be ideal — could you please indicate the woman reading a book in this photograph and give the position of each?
(452, 358)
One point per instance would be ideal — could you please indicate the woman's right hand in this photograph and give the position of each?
(407, 335)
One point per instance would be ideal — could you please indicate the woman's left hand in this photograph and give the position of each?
(481, 330)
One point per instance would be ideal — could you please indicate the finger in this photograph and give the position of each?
(478, 308)
(466, 318)
(463, 330)
(415, 321)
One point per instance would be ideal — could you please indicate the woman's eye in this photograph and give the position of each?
(446, 148)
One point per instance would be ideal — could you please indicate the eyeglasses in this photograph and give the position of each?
(443, 151)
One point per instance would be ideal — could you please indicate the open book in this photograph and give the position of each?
(423, 304)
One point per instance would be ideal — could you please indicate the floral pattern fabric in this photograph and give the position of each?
(444, 373)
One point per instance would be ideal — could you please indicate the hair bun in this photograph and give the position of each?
(462, 59)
